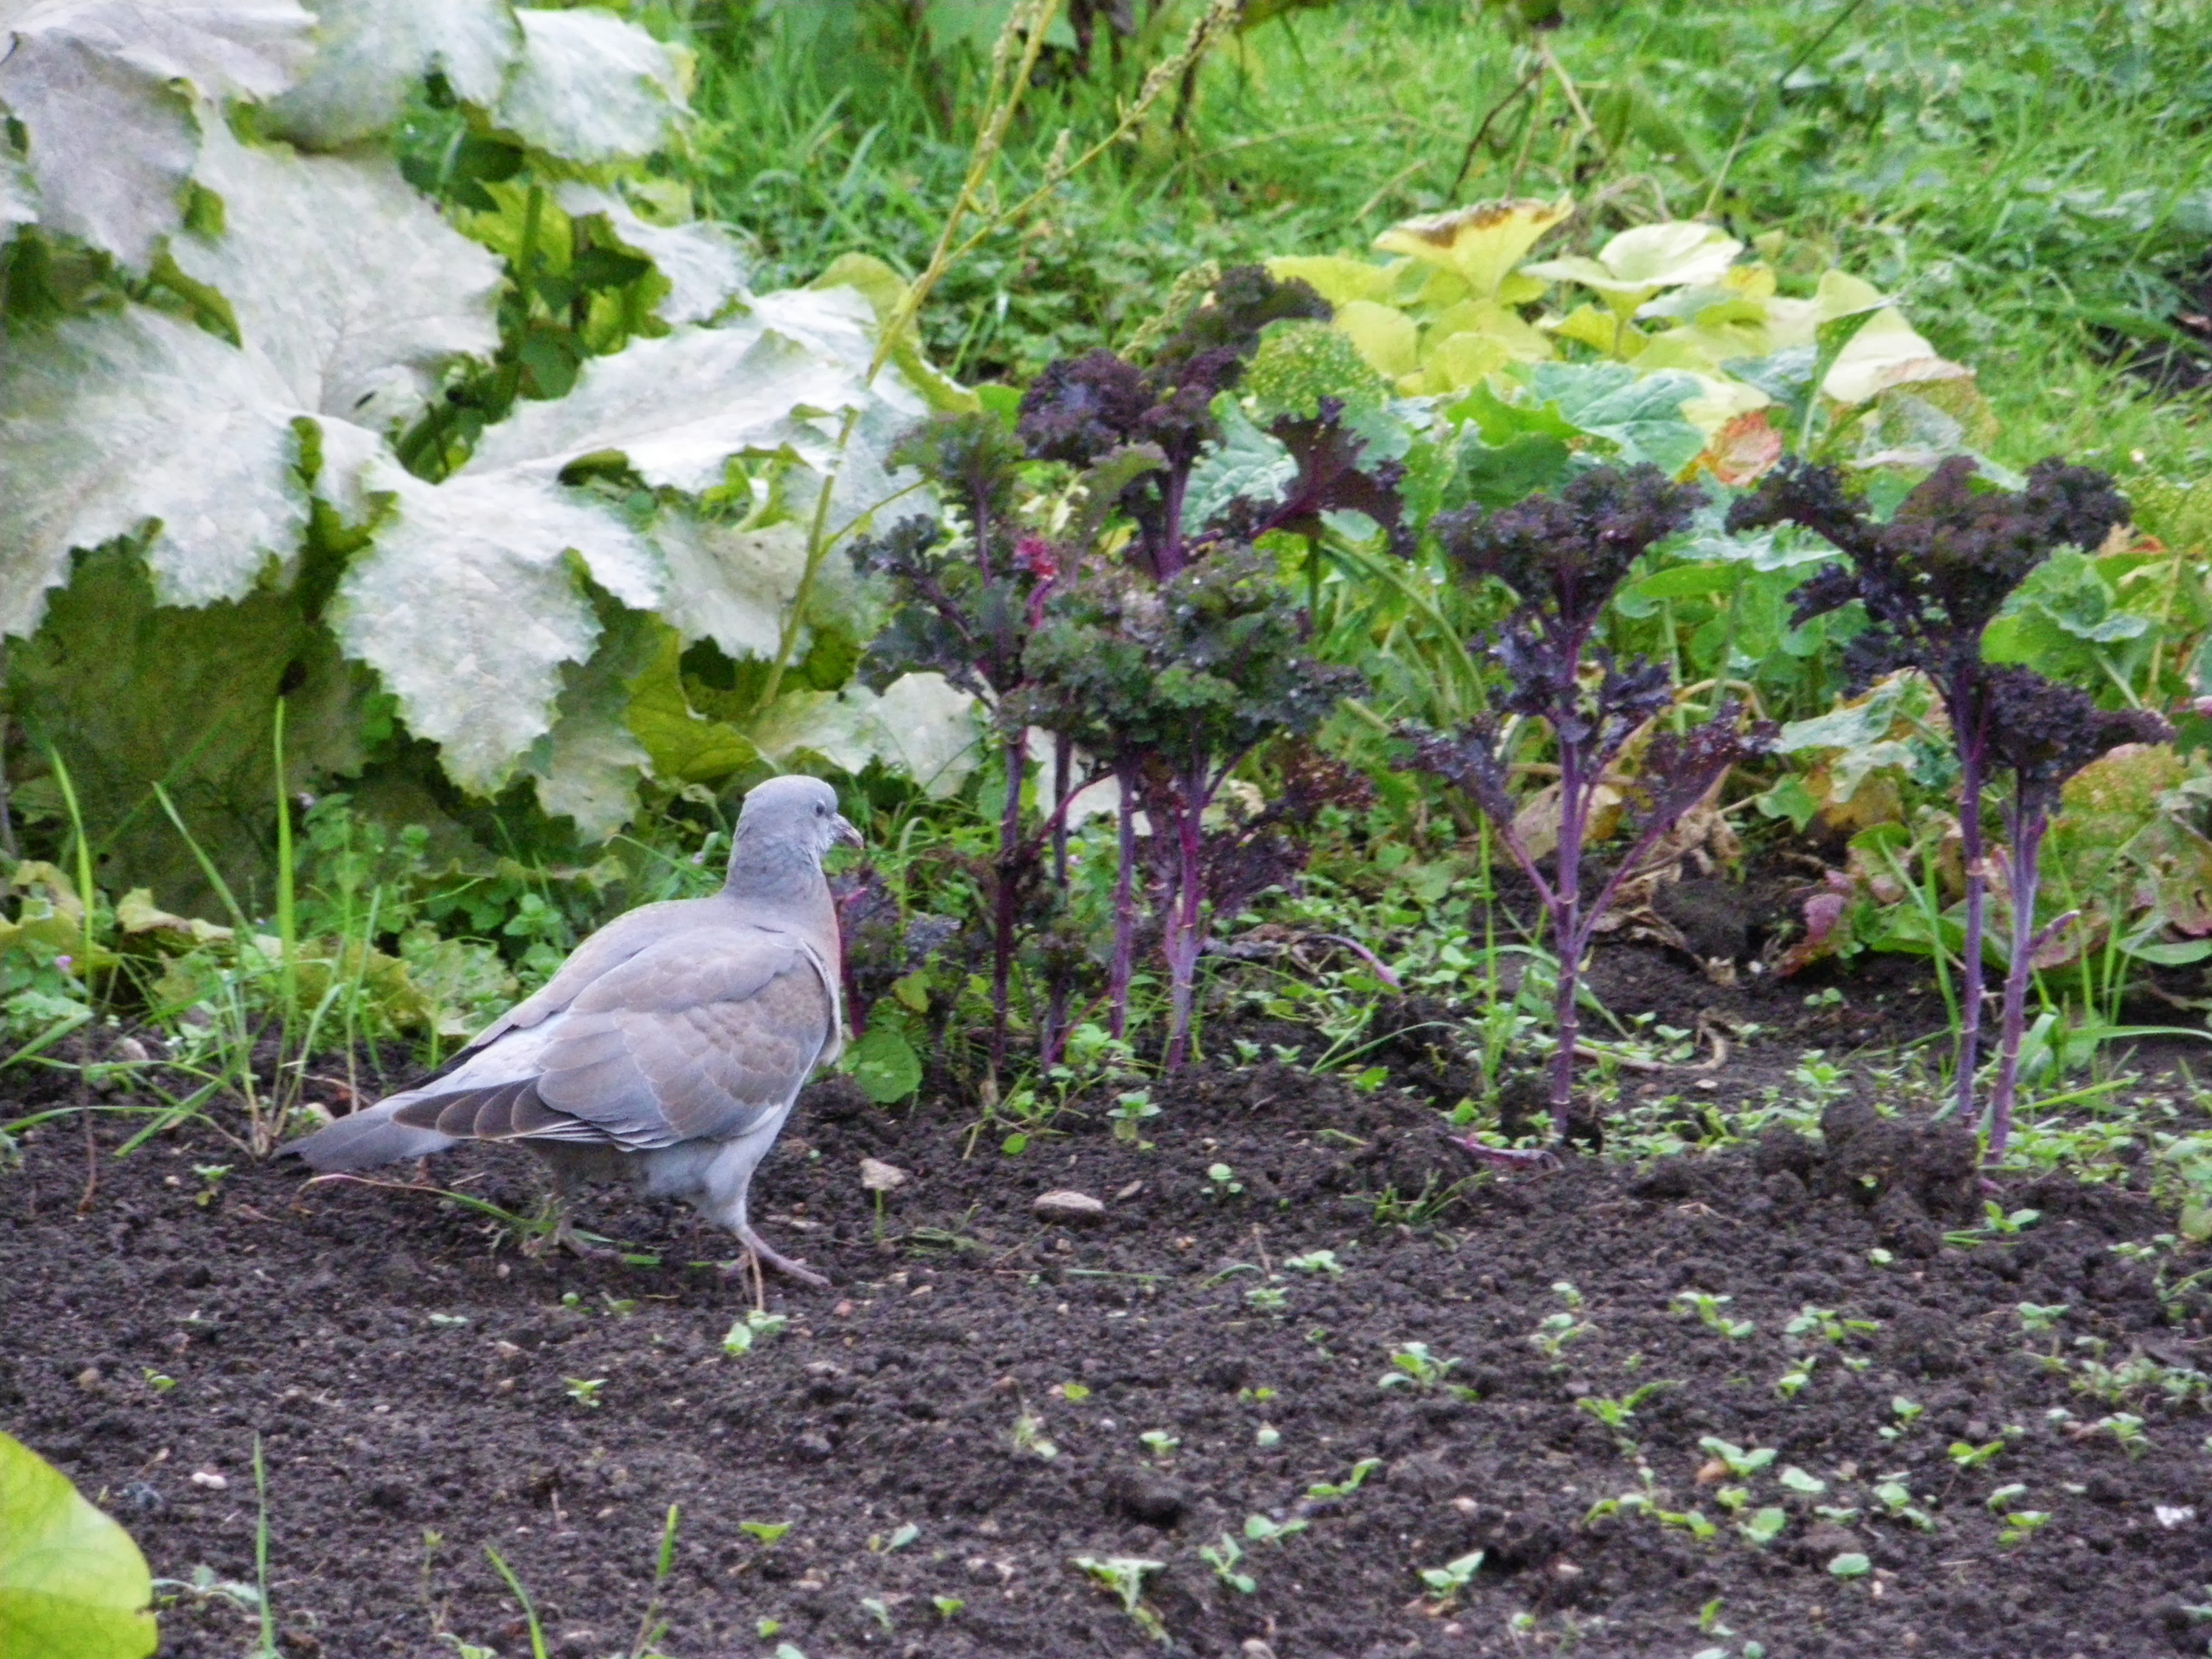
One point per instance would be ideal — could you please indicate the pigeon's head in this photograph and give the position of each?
(791, 814)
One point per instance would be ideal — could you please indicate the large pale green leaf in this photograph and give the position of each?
(733, 585)
(343, 277)
(371, 54)
(704, 264)
(920, 725)
(466, 606)
(1638, 263)
(130, 422)
(684, 746)
(72, 1584)
(131, 693)
(587, 767)
(106, 92)
(19, 197)
(1641, 414)
(590, 88)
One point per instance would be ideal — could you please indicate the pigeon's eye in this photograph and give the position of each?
(820, 811)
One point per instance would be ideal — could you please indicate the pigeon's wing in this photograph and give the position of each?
(701, 1037)
(624, 937)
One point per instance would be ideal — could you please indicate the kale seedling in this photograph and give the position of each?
(1563, 557)
(1224, 1558)
(1123, 1577)
(1932, 579)
(1449, 1580)
(1707, 1307)
(1739, 1463)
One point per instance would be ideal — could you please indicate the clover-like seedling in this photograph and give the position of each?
(1707, 1307)
(753, 1328)
(767, 1534)
(1267, 1298)
(1224, 1558)
(1221, 1179)
(1129, 1113)
(1261, 1530)
(1828, 1325)
(1316, 1261)
(1795, 1381)
(1123, 1577)
(1449, 1580)
(2037, 1319)
(1324, 1491)
(2020, 1525)
(2126, 1428)
(210, 1176)
(585, 1390)
(1896, 1500)
(1740, 1462)
(1850, 1564)
(1965, 1456)
(1907, 1412)
(1797, 1480)
(1551, 1337)
(1159, 1442)
(1413, 1366)
(1764, 1526)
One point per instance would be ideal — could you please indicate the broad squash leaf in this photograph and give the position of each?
(104, 90)
(590, 88)
(1638, 263)
(701, 263)
(920, 725)
(370, 56)
(1479, 245)
(72, 1584)
(1642, 415)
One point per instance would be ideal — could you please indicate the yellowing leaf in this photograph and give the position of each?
(1386, 337)
(1338, 280)
(1457, 362)
(72, 1584)
(1886, 352)
(1481, 245)
(1603, 330)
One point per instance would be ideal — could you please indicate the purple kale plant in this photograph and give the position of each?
(1172, 657)
(964, 606)
(1564, 556)
(2041, 733)
(1932, 579)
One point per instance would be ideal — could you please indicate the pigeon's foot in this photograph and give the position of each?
(765, 1257)
(564, 1235)
(1500, 1157)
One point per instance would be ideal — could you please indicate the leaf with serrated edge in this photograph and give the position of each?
(590, 88)
(370, 55)
(732, 586)
(920, 725)
(702, 262)
(466, 607)
(587, 767)
(104, 90)
(343, 277)
(71, 1582)
(113, 420)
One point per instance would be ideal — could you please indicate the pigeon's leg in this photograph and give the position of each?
(1500, 1157)
(763, 1256)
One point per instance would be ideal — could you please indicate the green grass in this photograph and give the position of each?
(2032, 178)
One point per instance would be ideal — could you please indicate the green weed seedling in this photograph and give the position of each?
(897, 1539)
(1159, 1442)
(946, 1606)
(1123, 1577)
(1315, 1261)
(767, 1534)
(2037, 1319)
(1741, 1463)
(1130, 1113)
(1413, 1366)
(2020, 1525)
(1896, 1500)
(1827, 1325)
(1998, 1222)
(1028, 1437)
(1809, 1486)
(1764, 1526)
(879, 1610)
(1267, 1298)
(1616, 1414)
(1221, 1182)
(1965, 1456)
(1707, 1307)
(1224, 1558)
(1259, 1529)
(2126, 1428)
(1850, 1564)
(1795, 1381)
(1326, 1491)
(585, 1390)
(1551, 1337)
(755, 1327)
(1907, 1412)
(1446, 1582)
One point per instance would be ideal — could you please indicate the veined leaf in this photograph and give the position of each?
(682, 746)
(588, 765)
(1640, 262)
(467, 607)
(370, 55)
(104, 90)
(704, 265)
(920, 725)
(1479, 245)
(590, 88)
(72, 1584)
(1641, 414)
(343, 277)
(129, 423)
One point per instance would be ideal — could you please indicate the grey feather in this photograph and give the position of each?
(673, 1040)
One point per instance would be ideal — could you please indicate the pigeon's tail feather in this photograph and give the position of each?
(366, 1138)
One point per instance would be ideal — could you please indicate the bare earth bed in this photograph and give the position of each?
(411, 1373)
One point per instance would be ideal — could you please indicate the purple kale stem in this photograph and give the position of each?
(1013, 855)
(1566, 909)
(1970, 971)
(1056, 1016)
(1125, 903)
(2025, 821)
(1187, 914)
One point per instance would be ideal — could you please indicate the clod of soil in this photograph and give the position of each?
(987, 1396)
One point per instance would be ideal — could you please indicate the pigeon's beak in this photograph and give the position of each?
(845, 835)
